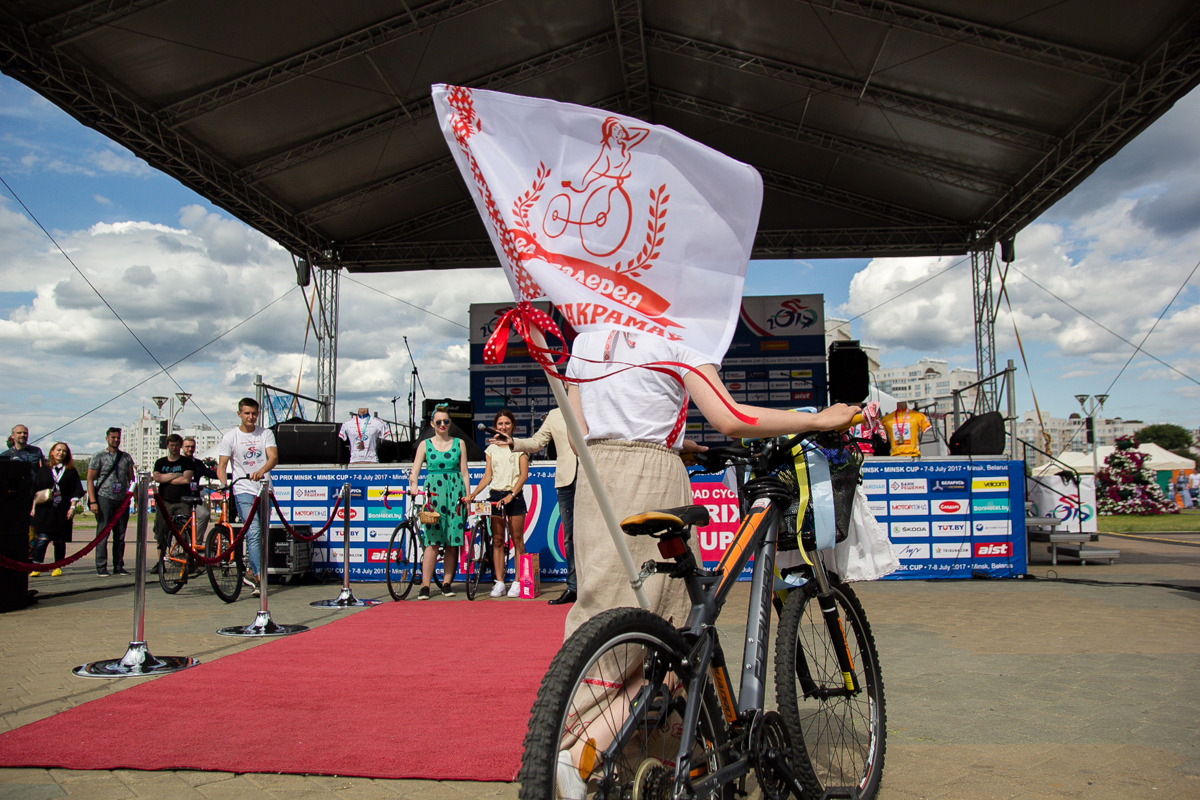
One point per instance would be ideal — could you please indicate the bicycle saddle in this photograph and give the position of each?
(192, 500)
(668, 521)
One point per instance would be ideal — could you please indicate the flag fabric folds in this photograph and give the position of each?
(621, 224)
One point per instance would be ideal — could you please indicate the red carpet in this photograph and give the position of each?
(403, 690)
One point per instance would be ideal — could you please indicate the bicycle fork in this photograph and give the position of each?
(837, 634)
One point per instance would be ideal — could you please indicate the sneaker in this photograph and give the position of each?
(103, 573)
(514, 589)
(57, 573)
(570, 785)
(34, 574)
(120, 571)
(256, 592)
(447, 591)
(246, 579)
(423, 594)
(498, 589)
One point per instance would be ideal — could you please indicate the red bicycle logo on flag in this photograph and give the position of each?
(605, 212)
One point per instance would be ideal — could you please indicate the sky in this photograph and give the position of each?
(113, 271)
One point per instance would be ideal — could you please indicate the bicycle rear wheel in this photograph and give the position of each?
(402, 561)
(477, 555)
(838, 734)
(622, 664)
(173, 569)
(226, 576)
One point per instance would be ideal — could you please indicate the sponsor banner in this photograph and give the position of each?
(911, 552)
(395, 513)
(878, 508)
(972, 521)
(383, 535)
(908, 508)
(996, 505)
(993, 549)
(282, 493)
(948, 507)
(874, 486)
(991, 527)
(311, 493)
(954, 550)
(908, 486)
(908, 530)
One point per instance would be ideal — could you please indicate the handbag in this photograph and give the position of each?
(428, 516)
(866, 553)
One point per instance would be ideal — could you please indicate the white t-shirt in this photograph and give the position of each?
(363, 434)
(247, 454)
(637, 404)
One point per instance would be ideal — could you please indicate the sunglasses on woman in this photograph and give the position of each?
(441, 422)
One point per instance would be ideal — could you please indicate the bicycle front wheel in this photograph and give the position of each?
(225, 576)
(477, 553)
(622, 665)
(838, 724)
(402, 561)
(173, 569)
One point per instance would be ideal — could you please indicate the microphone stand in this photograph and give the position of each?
(412, 395)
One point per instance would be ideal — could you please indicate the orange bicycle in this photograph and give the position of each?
(178, 564)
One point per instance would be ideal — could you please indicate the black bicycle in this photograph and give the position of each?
(404, 549)
(632, 707)
(479, 544)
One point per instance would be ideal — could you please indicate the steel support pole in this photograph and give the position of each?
(137, 661)
(346, 598)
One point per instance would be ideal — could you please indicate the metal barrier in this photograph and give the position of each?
(346, 598)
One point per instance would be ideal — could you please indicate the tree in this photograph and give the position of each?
(1168, 437)
(1127, 486)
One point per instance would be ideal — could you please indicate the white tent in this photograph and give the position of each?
(1160, 460)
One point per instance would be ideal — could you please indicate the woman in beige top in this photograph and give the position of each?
(505, 476)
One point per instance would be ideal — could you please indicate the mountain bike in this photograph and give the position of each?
(633, 707)
(178, 565)
(479, 544)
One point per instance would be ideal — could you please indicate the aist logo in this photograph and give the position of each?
(993, 549)
(377, 556)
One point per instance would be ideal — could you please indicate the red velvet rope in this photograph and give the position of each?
(202, 559)
(299, 536)
(525, 317)
(8, 563)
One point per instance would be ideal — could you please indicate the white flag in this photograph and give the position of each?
(621, 224)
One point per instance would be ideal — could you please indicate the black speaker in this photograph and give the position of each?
(461, 412)
(16, 496)
(309, 443)
(849, 375)
(981, 435)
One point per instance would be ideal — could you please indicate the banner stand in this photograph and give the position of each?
(137, 661)
(263, 625)
(346, 598)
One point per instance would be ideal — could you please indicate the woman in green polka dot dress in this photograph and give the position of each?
(447, 483)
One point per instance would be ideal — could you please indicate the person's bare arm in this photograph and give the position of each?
(708, 398)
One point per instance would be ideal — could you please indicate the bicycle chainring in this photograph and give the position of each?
(771, 751)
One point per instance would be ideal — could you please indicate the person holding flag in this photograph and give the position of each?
(640, 237)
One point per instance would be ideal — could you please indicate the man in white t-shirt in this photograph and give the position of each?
(364, 433)
(251, 452)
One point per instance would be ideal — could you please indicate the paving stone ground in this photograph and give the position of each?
(1076, 682)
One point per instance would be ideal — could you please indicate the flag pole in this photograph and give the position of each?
(575, 432)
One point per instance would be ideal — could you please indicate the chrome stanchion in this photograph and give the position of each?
(263, 625)
(137, 661)
(346, 598)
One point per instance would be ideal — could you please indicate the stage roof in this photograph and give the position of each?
(880, 128)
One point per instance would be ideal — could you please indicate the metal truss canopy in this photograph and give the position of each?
(881, 128)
